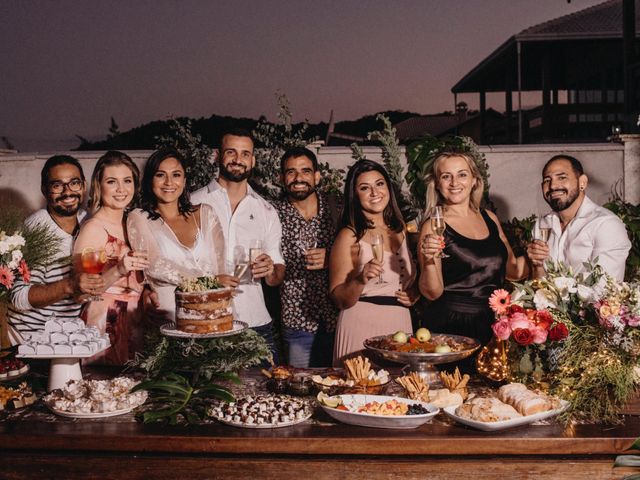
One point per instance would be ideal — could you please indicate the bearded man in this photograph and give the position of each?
(53, 289)
(308, 230)
(248, 222)
(581, 231)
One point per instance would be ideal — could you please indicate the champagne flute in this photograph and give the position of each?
(140, 246)
(240, 261)
(256, 249)
(544, 228)
(93, 261)
(307, 241)
(438, 225)
(377, 249)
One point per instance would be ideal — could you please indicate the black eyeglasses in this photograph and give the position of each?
(74, 185)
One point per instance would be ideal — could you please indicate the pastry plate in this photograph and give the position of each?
(169, 329)
(10, 378)
(113, 413)
(379, 421)
(504, 424)
(265, 425)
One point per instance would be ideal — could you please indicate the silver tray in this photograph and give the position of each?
(169, 329)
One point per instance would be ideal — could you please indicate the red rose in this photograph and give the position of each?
(523, 336)
(515, 309)
(543, 319)
(558, 332)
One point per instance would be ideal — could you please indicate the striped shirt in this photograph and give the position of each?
(21, 315)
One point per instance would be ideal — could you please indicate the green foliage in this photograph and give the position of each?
(519, 232)
(630, 215)
(173, 398)
(421, 155)
(200, 167)
(203, 357)
(275, 140)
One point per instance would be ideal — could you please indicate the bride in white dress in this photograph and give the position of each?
(182, 240)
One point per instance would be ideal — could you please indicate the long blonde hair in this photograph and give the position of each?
(434, 197)
(109, 159)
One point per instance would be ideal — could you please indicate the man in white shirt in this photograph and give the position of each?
(247, 220)
(52, 288)
(581, 231)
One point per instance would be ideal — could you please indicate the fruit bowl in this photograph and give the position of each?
(421, 357)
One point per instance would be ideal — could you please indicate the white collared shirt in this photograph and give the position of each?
(253, 219)
(594, 232)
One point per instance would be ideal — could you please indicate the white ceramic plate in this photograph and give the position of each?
(114, 413)
(169, 329)
(379, 421)
(51, 356)
(265, 425)
(515, 422)
(10, 377)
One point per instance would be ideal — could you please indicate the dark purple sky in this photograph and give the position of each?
(67, 66)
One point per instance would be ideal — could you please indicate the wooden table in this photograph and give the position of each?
(120, 448)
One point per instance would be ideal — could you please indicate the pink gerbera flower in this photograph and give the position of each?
(499, 301)
(6, 277)
(23, 268)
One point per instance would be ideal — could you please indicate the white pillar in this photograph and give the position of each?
(631, 168)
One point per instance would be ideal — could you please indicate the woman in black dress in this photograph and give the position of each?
(461, 268)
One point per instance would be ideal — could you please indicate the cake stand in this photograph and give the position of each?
(64, 367)
(421, 362)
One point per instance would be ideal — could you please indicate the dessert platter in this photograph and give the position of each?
(95, 398)
(203, 310)
(12, 368)
(377, 411)
(65, 342)
(262, 411)
(422, 350)
(359, 377)
(513, 405)
(12, 398)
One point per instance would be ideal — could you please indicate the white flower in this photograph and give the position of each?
(586, 294)
(16, 256)
(544, 299)
(565, 286)
(517, 295)
(4, 247)
(15, 241)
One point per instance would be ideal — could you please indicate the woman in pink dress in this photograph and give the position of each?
(114, 187)
(372, 275)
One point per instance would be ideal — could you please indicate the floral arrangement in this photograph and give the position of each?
(21, 249)
(575, 335)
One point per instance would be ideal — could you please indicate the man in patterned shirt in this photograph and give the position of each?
(308, 231)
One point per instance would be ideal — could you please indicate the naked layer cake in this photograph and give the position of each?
(203, 306)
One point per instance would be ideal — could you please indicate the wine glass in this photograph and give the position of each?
(544, 228)
(256, 248)
(307, 240)
(438, 225)
(93, 261)
(240, 261)
(140, 246)
(377, 249)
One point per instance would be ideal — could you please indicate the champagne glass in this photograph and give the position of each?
(438, 225)
(377, 249)
(240, 261)
(307, 240)
(256, 248)
(93, 261)
(544, 228)
(140, 246)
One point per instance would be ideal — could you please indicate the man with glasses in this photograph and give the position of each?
(52, 288)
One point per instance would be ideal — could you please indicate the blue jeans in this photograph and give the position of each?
(306, 349)
(266, 332)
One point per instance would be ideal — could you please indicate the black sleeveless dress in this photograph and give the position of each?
(474, 269)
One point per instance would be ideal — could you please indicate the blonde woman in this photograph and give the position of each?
(114, 187)
(461, 267)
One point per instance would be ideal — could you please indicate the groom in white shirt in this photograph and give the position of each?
(581, 231)
(245, 218)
